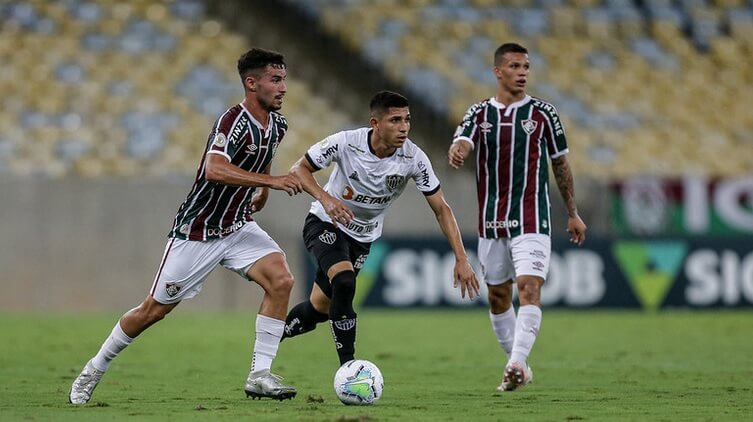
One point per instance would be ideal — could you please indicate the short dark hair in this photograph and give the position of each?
(505, 48)
(383, 100)
(257, 59)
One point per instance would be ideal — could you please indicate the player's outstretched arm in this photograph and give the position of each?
(220, 170)
(564, 177)
(304, 172)
(458, 153)
(463, 273)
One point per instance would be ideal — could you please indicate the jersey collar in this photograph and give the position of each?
(371, 149)
(256, 122)
(511, 107)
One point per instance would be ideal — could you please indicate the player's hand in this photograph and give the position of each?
(577, 229)
(456, 155)
(466, 278)
(288, 183)
(337, 211)
(258, 200)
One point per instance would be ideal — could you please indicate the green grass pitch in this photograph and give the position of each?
(438, 365)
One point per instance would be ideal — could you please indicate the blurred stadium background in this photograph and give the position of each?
(106, 106)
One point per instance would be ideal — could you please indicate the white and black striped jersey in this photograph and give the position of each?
(214, 210)
(366, 183)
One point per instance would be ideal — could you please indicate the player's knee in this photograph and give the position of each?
(344, 284)
(282, 284)
(149, 314)
(529, 290)
(499, 302)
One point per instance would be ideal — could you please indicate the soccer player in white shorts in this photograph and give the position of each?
(515, 137)
(186, 264)
(214, 225)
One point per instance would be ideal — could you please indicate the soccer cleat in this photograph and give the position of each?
(515, 376)
(84, 385)
(266, 384)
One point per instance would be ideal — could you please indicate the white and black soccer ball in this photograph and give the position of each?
(359, 382)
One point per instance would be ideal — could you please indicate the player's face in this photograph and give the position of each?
(269, 87)
(393, 126)
(512, 72)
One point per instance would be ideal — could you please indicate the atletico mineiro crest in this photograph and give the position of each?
(529, 125)
(327, 237)
(393, 181)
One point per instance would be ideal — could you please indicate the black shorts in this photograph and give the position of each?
(329, 245)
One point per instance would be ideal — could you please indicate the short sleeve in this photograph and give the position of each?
(554, 133)
(227, 137)
(468, 129)
(423, 174)
(324, 152)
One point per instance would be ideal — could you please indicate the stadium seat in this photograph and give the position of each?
(106, 93)
(632, 80)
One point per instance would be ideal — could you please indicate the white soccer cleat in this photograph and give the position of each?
(266, 384)
(84, 385)
(515, 376)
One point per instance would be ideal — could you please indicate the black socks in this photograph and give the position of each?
(342, 317)
(302, 319)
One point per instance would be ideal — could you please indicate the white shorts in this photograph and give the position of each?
(504, 259)
(187, 263)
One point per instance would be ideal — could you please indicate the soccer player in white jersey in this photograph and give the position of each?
(214, 226)
(514, 135)
(374, 164)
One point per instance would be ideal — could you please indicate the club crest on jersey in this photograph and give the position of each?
(172, 289)
(529, 125)
(328, 237)
(393, 181)
(251, 148)
(486, 127)
(220, 140)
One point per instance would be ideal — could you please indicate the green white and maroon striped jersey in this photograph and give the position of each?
(214, 210)
(512, 144)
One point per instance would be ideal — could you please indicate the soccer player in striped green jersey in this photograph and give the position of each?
(514, 136)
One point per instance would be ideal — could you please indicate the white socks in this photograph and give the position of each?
(504, 327)
(268, 334)
(526, 330)
(114, 344)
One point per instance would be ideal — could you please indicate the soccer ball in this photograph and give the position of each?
(358, 382)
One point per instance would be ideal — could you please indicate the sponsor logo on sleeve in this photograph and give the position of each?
(423, 178)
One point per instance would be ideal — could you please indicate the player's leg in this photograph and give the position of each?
(176, 280)
(342, 316)
(531, 254)
(502, 314)
(335, 253)
(304, 316)
(273, 275)
(254, 255)
(498, 271)
(130, 325)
